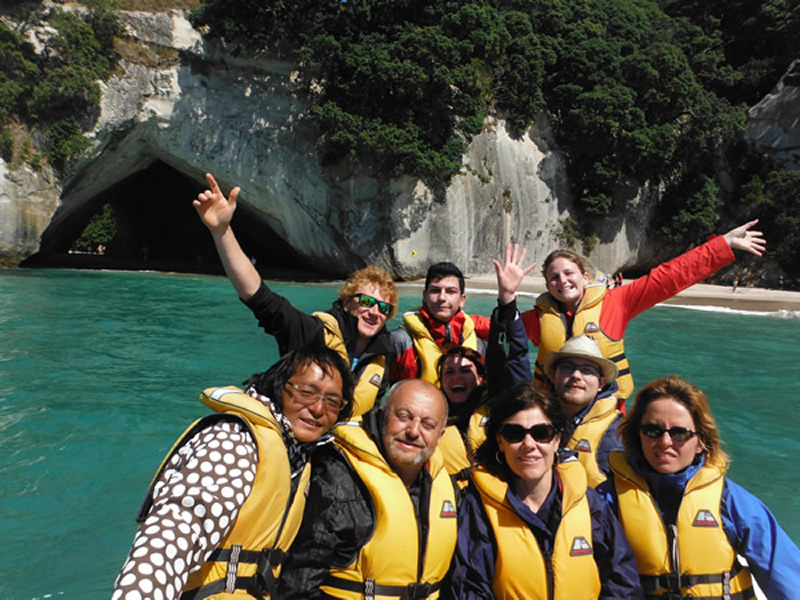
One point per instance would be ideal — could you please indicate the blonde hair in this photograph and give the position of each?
(371, 275)
(683, 392)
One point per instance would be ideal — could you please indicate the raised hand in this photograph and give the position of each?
(214, 209)
(511, 272)
(743, 238)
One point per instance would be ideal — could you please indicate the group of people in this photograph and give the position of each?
(433, 461)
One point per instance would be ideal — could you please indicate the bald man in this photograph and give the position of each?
(380, 517)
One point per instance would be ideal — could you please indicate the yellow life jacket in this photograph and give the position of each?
(587, 436)
(269, 519)
(428, 352)
(704, 559)
(554, 334)
(458, 453)
(393, 563)
(521, 571)
(370, 377)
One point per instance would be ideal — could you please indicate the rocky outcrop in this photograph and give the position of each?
(28, 199)
(243, 121)
(196, 109)
(774, 123)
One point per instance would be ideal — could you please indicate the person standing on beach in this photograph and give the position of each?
(575, 305)
(354, 326)
(437, 325)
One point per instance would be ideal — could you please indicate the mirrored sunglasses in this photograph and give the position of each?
(367, 301)
(541, 433)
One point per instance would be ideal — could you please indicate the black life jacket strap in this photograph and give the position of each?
(255, 585)
(673, 583)
(369, 589)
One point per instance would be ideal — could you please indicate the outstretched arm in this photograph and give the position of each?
(216, 212)
(743, 238)
(511, 272)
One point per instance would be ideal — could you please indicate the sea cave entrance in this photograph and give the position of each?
(147, 222)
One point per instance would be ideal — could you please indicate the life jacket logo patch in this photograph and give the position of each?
(591, 327)
(484, 421)
(376, 380)
(448, 510)
(583, 446)
(580, 547)
(704, 518)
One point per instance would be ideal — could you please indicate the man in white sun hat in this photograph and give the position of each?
(583, 381)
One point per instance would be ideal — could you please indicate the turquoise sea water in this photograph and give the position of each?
(100, 372)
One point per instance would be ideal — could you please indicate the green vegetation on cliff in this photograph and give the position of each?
(636, 92)
(55, 92)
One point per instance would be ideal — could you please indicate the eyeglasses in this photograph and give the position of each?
(514, 433)
(308, 395)
(569, 367)
(678, 434)
(367, 301)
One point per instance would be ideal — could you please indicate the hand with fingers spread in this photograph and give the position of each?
(743, 238)
(214, 209)
(511, 272)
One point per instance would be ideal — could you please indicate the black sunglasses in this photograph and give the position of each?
(514, 433)
(367, 301)
(678, 434)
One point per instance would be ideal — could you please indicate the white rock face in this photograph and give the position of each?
(243, 121)
(28, 199)
(774, 123)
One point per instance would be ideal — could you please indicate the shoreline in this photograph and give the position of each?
(747, 299)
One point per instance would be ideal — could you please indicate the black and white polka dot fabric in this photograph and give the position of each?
(195, 502)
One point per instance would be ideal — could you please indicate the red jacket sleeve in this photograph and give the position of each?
(621, 304)
(482, 326)
(533, 329)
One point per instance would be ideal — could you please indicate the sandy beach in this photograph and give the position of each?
(701, 294)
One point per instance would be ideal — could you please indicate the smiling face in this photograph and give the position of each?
(459, 378)
(664, 454)
(311, 421)
(528, 459)
(443, 298)
(566, 282)
(415, 418)
(577, 382)
(370, 320)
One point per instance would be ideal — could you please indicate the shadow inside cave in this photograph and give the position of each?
(158, 229)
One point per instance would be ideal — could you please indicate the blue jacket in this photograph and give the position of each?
(474, 561)
(507, 361)
(751, 529)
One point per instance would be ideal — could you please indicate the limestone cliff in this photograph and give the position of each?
(774, 123)
(199, 110)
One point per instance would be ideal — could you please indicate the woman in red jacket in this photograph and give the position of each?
(575, 305)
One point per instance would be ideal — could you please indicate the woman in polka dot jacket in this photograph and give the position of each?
(228, 499)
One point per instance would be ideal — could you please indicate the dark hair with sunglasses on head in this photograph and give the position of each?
(688, 395)
(506, 405)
